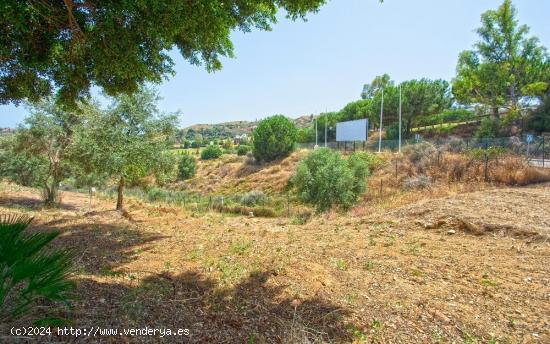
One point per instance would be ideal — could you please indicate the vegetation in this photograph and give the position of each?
(51, 47)
(489, 128)
(506, 68)
(30, 272)
(324, 178)
(39, 152)
(211, 152)
(243, 150)
(274, 138)
(128, 142)
(187, 167)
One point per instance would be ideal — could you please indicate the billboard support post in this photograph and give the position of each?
(400, 108)
(381, 120)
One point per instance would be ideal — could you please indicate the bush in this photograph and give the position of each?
(455, 145)
(392, 131)
(417, 182)
(420, 152)
(30, 272)
(253, 197)
(489, 128)
(358, 163)
(211, 152)
(187, 167)
(325, 179)
(274, 138)
(228, 151)
(243, 150)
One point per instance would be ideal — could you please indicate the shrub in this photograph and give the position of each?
(417, 182)
(243, 150)
(358, 163)
(253, 197)
(392, 131)
(420, 152)
(325, 179)
(228, 151)
(211, 152)
(489, 128)
(29, 271)
(187, 167)
(274, 138)
(455, 145)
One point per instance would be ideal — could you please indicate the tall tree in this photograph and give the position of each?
(70, 45)
(505, 66)
(128, 142)
(423, 98)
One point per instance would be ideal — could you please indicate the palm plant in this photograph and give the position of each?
(30, 273)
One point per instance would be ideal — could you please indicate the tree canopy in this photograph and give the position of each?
(68, 46)
(505, 66)
(128, 142)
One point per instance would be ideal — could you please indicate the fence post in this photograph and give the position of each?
(543, 151)
(486, 165)
(395, 168)
(380, 187)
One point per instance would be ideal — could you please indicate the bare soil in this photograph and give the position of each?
(473, 267)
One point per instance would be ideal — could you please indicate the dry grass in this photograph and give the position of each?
(382, 273)
(232, 174)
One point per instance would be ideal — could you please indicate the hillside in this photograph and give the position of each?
(233, 128)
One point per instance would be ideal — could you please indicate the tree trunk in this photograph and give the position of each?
(120, 197)
(495, 113)
(50, 193)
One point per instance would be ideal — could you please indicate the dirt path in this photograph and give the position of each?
(388, 278)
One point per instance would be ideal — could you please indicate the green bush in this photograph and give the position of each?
(539, 121)
(29, 272)
(392, 131)
(243, 150)
(489, 128)
(211, 152)
(274, 138)
(325, 179)
(187, 167)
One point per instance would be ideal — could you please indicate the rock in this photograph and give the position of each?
(451, 232)
(470, 227)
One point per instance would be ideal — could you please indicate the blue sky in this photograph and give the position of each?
(308, 67)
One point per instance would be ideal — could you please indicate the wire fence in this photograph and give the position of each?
(536, 149)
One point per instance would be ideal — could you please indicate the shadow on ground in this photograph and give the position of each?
(249, 312)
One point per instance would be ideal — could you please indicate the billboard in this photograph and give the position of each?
(352, 130)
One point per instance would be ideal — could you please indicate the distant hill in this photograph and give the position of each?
(232, 129)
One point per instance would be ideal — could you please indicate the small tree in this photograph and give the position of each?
(274, 138)
(38, 154)
(187, 167)
(211, 152)
(129, 141)
(325, 179)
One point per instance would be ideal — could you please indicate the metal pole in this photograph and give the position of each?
(316, 132)
(400, 100)
(326, 119)
(381, 119)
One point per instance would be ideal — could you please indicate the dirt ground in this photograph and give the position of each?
(466, 268)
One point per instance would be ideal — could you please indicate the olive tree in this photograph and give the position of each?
(128, 141)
